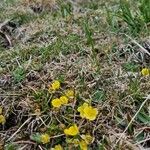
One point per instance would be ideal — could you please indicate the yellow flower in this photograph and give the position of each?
(2, 119)
(145, 72)
(64, 100)
(73, 130)
(81, 109)
(87, 138)
(45, 138)
(83, 145)
(56, 102)
(0, 110)
(69, 93)
(88, 112)
(54, 86)
(57, 147)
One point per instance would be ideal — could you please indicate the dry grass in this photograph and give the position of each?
(75, 45)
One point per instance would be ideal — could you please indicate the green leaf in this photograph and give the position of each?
(130, 67)
(61, 78)
(119, 121)
(36, 137)
(144, 118)
(10, 146)
(19, 74)
(144, 9)
(140, 137)
(98, 96)
(66, 9)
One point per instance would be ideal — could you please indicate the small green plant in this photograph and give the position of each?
(66, 9)
(145, 10)
(134, 21)
(143, 117)
(22, 18)
(19, 74)
(110, 18)
(88, 34)
(130, 66)
(10, 146)
(98, 96)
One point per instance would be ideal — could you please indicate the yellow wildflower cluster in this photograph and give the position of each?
(88, 112)
(83, 145)
(45, 138)
(2, 118)
(57, 147)
(72, 131)
(83, 142)
(86, 140)
(58, 102)
(145, 72)
(54, 86)
(63, 100)
(69, 93)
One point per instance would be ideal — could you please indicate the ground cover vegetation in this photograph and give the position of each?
(74, 75)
